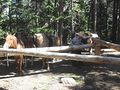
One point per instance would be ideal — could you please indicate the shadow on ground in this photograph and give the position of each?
(96, 76)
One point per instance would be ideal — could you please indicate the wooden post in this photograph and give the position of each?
(97, 49)
(107, 44)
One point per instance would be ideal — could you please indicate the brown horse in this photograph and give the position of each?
(42, 40)
(13, 42)
(83, 38)
(23, 40)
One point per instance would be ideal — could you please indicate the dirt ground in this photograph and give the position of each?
(87, 75)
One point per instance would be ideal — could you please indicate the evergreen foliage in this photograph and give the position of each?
(61, 16)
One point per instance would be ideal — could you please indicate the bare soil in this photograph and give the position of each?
(87, 75)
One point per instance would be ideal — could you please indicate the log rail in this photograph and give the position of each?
(51, 49)
(99, 43)
(54, 52)
(64, 56)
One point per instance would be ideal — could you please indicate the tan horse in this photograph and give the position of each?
(13, 42)
(41, 40)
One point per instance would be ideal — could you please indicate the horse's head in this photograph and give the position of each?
(10, 41)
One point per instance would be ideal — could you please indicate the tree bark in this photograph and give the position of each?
(64, 56)
(53, 49)
(107, 44)
(114, 26)
(60, 26)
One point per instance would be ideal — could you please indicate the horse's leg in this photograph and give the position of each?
(25, 62)
(28, 58)
(90, 42)
(21, 65)
(43, 63)
(7, 60)
(90, 51)
(19, 62)
(31, 59)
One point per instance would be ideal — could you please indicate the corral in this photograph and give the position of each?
(92, 71)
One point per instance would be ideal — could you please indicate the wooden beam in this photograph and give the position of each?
(54, 49)
(108, 50)
(64, 56)
(61, 48)
(112, 53)
(97, 49)
(107, 44)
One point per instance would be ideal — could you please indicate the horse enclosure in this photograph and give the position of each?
(59, 52)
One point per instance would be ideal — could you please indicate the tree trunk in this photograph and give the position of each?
(10, 27)
(64, 56)
(95, 12)
(60, 24)
(92, 16)
(102, 19)
(60, 48)
(36, 13)
(53, 49)
(118, 34)
(114, 27)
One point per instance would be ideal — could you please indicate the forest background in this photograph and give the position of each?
(61, 18)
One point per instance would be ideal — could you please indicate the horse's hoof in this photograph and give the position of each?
(19, 74)
(22, 73)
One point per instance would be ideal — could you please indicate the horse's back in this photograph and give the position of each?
(41, 40)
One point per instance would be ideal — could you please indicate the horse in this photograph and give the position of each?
(82, 38)
(11, 41)
(41, 40)
(23, 40)
(44, 40)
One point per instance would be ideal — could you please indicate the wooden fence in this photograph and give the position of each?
(54, 52)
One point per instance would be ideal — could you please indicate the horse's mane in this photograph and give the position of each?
(19, 39)
(26, 40)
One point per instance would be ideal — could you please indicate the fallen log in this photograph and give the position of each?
(64, 56)
(61, 48)
(54, 49)
(112, 53)
(107, 44)
(108, 50)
